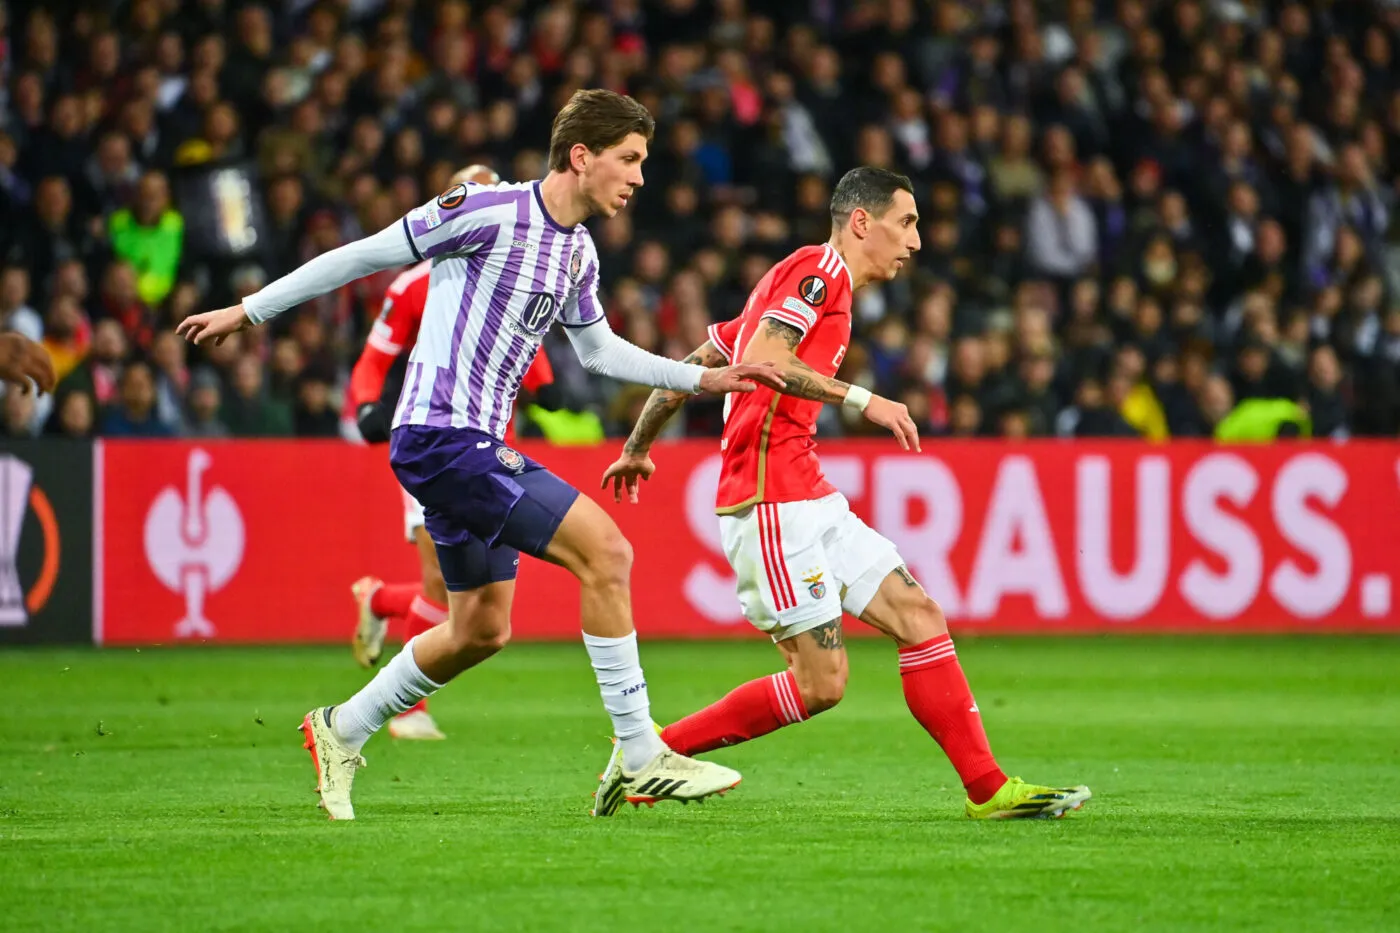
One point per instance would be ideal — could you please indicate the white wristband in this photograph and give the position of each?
(857, 398)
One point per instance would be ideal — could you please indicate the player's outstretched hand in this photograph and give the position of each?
(895, 416)
(215, 325)
(745, 377)
(21, 360)
(628, 471)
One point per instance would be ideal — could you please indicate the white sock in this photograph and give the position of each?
(394, 689)
(624, 690)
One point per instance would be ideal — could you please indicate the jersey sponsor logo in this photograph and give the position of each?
(510, 459)
(538, 313)
(525, 245)
(815, 585)
(812, 289)
(575, 266)
(452, 197)
(802, 309)
(840, 355)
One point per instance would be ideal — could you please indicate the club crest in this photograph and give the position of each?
(510, 459)
(575, 266)
(815, 585)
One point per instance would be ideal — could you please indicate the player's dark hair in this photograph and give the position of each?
(868, 188)
(600, 120)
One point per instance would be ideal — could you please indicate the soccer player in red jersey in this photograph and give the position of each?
(375, 384)
(801, 557)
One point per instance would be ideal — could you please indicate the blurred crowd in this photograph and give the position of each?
(1135, 215)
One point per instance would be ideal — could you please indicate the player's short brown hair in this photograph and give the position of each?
(600, 120)
(868, 188)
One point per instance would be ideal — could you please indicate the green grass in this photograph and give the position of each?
(1241, 784)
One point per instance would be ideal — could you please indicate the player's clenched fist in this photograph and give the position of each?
(21, 360)
(895, 417)
(215, 325)
(742, 378)
(628, 471)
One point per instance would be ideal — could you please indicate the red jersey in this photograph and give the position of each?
(770, 454)
(391, 339)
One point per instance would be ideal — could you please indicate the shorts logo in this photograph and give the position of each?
(452, 197)
(812, 290)
(510, 459)
(815, 586)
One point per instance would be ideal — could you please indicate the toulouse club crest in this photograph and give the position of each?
(510, 459)
(575, 266)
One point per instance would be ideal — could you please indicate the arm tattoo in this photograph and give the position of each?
(802, 380)
(828, 635)
(906, 576)
(805, 382)
(785, 332)
(663, 403)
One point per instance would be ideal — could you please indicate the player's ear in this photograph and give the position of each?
(860, 222)
(579, 155)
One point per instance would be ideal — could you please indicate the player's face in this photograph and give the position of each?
(894, 238)
(614, 174)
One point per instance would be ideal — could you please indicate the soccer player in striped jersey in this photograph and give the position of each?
(375, 385)
(801, 556)
(507, 263)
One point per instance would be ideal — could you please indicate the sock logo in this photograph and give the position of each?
(635, 688)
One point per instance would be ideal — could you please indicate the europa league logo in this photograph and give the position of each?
(18, 497)
(16, 476)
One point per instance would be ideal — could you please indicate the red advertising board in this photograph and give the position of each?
(259, 541)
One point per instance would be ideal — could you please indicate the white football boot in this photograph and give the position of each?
(335, 764)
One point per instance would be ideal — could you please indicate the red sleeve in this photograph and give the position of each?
(367, 378)
(540, 373)
(394, 330)
(723, 336)
(801, 292)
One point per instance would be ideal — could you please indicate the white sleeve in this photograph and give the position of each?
(604, 352)
(386, 249)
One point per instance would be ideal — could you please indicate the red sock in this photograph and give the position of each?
(940, 699)
(748, 711)
(393, 599)
(423, 614)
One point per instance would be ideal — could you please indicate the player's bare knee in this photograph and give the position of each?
(609, 562)
(821, 689)
(923, 620)
(485, 632)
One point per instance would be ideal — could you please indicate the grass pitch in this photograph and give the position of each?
(1240, 784)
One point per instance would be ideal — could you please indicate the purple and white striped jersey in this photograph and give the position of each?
(503, 272)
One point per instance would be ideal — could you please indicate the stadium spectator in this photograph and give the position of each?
(133, 414)
(1212, 184)
(150, 235)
